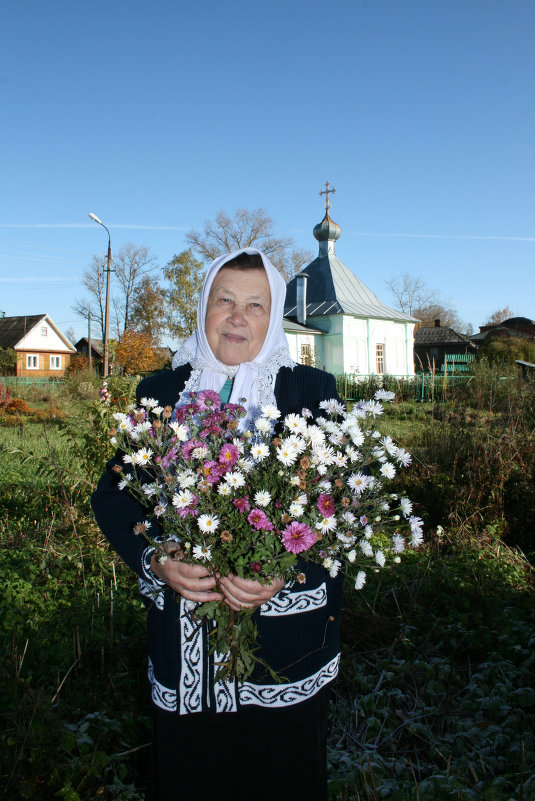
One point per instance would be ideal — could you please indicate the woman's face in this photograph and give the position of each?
(237, 314)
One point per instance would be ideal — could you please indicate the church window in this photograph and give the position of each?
(380, 358)
(306, 353)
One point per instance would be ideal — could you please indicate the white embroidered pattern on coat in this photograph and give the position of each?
(291, 603)
(279, 695)
(161, 696)
(190, 681)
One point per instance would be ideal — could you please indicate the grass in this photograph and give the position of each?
(435, 698)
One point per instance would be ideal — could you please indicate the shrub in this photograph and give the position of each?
(17, 406)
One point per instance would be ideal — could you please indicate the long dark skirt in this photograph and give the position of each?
(260, 754)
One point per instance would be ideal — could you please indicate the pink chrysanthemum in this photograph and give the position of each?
(208, 399)
(229, 455)
(259, 520)
(242, 504)
(298, 537)
(326, 505)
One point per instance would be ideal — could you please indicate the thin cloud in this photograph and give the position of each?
(446, 236)
(32, 279)
(130, 226)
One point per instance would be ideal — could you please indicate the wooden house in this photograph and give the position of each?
(42, 349)
(441, 348)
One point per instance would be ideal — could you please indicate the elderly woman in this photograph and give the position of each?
(230, 740)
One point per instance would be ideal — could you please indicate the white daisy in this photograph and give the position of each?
(185, 478)
(150, 403)
(202, 552)
(384, 395)
(406, 506)
(349, 518)
(208, 523)
(260, 452)
(351, 556)
(315, 435)
(143, 456)
(123, 482)
(404, 458)
(286, 455)
(332, 406)
(366, 548)
(360, 580)
(201, 452)
(295, 481)
(352, 454)
(388, 470)
(224, 490)
(128, 458)
(380, 558)
(262, 498)
(358, 482)
(416, 538)
(182, 499)
(235, 479)
(398, 543)
(180, 431)
(263, 425)
(326, 524)
(295, 509)
(335, 568)
(340, 460)
(270, 411)
(294, 423)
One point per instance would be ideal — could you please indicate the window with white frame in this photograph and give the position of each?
(44, 331)
(55, 362)
(380, 358)
(306, 353)
(32, 361)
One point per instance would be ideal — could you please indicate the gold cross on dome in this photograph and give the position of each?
(327, 191)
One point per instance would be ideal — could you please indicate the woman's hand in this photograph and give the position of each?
(243, 593)
(192, 582)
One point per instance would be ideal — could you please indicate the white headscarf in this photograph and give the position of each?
(253, 380)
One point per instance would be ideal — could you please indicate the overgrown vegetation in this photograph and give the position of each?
(436, 696)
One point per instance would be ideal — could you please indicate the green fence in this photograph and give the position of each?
(20, 381)
(422, 386)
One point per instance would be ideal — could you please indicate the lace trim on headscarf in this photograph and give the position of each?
(266, 376)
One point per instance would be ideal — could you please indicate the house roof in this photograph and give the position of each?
(331, 286)
(14, 329)
(440, 335)
(297, 328)
(521, 327)
(96, 345)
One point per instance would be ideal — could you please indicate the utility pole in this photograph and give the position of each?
(89, 340)
(107, 312)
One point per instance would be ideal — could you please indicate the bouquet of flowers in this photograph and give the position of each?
(254, 502)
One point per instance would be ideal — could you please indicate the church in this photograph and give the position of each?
(333, 321)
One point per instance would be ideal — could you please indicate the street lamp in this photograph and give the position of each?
(107, 313)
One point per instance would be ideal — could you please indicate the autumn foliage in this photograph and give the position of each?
(134, 353)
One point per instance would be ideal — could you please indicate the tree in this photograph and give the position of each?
(134, 352)
(247, 229)
(149, 310)
(8, 360)
(71, 335)
(132, 265)
(500, 316)
(94, 280)
(185, 275)
(414, 297)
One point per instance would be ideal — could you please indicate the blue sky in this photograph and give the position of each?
(420, 112)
